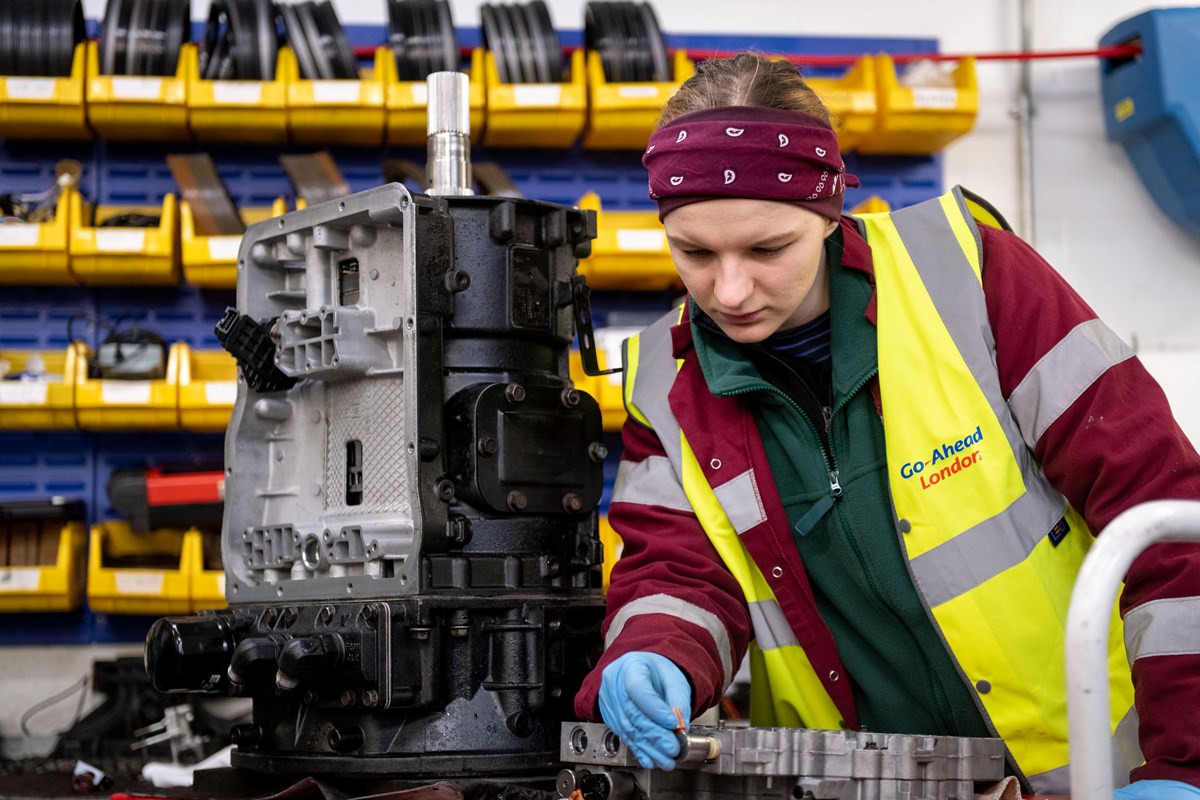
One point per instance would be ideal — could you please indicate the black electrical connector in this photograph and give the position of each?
(250, 343)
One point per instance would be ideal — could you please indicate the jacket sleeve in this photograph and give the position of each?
(669, 593)
(1103, 432)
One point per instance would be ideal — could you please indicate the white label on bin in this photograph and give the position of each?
(638, 239)
(19, 579)
(609, 340)
(337, 91)
(129, 582)
(537, 94)
(137, 88)
(238, 92)
(125, 392)
(23, 393)
(224, 248)
(934, 97)
(220, 393)
(31, 88)
(110, 241)
(420, 93)
(628, 90)
(18, 234)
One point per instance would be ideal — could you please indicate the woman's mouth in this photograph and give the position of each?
(741, 319)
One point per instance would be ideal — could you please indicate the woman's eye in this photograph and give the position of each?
(696, 253)
(770, 251)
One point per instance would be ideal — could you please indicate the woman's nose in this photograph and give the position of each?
(732, 285)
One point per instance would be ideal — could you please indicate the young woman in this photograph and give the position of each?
(872, 452)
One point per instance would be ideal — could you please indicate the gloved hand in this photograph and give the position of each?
(1157, 790)
(638, 695)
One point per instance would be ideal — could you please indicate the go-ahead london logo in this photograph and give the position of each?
(947, 460)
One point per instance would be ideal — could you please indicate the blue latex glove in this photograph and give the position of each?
(638, 695)
(1157, 790)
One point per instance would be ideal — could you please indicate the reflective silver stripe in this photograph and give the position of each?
(771, 628)
(984, 551)
(651, 482)
(1008, 538)
(740, 500)
(680, 609)
(1054, 781)
(1169, 627)
(655, 375)
(1063, 374)
(1127, 752)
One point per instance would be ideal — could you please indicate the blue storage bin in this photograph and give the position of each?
(1152, 106)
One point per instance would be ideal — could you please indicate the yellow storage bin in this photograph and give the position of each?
(36, 252)
(325, 112)
(49, 575)
(112, 404)
(535, 114)
(207, 388)
(851, 100)
(629, 252)
(612, 550)
(206, 587)
(920, 120)
(241, 112)
(137, 573)
(43, 404)
(139, 107)
(872, 205)
(211, 261)
(45, 108)
(406, 101)
(104, 256)
(622, 115)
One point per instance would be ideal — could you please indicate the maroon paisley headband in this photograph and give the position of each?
(746, 151)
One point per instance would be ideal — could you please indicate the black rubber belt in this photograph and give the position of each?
(494, 180)
(239, 41)
(628, 39)
(143, 37)
(314, 177)
(38, 37)
(403, 170)
(212, 208)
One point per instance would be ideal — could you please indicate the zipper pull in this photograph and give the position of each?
(827, 414)
(835, 486)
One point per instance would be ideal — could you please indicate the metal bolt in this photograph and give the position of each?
(516, 501)
(487, 446)
(369, 614)
(370, 698)
(458, 631)
(515, 393)
(419, 633)
(571, 503)
(445, 490)
(290, 615)
(269, 616)
(597, 451)
(348, 697)
(326, 614)
(569, 397)
(309, 698)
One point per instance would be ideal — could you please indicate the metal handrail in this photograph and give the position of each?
(1088, 619)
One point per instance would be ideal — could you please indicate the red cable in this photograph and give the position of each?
(1114, 51)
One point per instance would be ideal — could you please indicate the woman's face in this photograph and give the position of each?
(754, 266)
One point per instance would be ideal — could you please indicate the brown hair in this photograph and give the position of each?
(747, 79)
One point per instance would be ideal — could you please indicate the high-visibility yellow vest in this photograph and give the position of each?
(984, 533)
